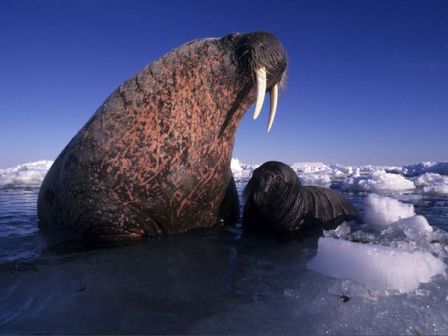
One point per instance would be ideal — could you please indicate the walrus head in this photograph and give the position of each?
(271, 193)
(261, 56)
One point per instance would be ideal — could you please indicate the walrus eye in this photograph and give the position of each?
(261, 90)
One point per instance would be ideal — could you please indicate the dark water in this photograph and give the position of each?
(219, 281)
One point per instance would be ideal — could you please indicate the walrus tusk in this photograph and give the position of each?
(274, 99)
(261, 90)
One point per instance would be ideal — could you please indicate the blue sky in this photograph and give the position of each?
(367, 80)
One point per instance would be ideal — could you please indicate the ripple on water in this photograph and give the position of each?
(218, 281)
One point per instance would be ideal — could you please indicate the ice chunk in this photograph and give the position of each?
(341, 232)
(414, 227)
(236, 168)
(25, 175)
(374, 266)
(316, 179)
(426, 167)
(370, 178)
(310, 167)
(432, 183)
(241, 171)
(339, 170)
(378, 181)
(380, 210)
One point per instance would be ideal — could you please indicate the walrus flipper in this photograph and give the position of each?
(229, 211)
(327, 207)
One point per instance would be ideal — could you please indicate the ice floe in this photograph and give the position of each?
(375, 266)
(310, 167)
(426, 167)
(25, 175)
(432, 183)
(385, 210)
(422, 178)
(391, 251)
(313, 173)
(378, 181)
(242, 171)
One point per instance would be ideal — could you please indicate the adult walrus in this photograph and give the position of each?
(155, 157)
(276, 201)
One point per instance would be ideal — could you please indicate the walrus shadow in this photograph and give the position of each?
(63, 243)
(309, 234)
(60, 242)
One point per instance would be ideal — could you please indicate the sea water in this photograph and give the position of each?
(225, 281)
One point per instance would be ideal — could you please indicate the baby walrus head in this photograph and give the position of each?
(276, 201)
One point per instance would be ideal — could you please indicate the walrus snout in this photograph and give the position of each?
(262, 56)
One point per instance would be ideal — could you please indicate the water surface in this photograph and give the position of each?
(218, 281)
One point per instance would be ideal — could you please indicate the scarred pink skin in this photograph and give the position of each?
(155, 157)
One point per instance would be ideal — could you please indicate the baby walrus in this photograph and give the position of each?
(276, 201)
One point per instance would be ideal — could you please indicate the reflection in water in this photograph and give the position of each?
(218, 281)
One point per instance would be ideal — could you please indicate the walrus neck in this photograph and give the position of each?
(205, 94)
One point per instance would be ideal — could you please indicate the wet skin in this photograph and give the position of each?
(155, 157)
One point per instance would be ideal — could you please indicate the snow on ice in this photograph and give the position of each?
(426, 167)
(375, 266)
(25, 175)
(378, 181)
(425, 178)
(385, 261)
(385, 210)
(432, 183)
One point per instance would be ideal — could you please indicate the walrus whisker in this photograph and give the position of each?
(261, 90)
(273, 110)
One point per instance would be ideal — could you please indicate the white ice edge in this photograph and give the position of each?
(374, 266)
(427, 177)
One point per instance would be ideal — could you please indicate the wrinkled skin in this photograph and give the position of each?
(276, 201)
(155, 157)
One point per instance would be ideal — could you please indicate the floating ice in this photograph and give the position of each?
(432, 183)
(374, 266)
(414, 227)
(241, 171)
(366, 178)
(370, 178)
(378, 181)
(313, 173)
(316, 179)
(25, 175)
(236, 168)
(310, 167)
(341, 171)
(426, 167)
(380, 210)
